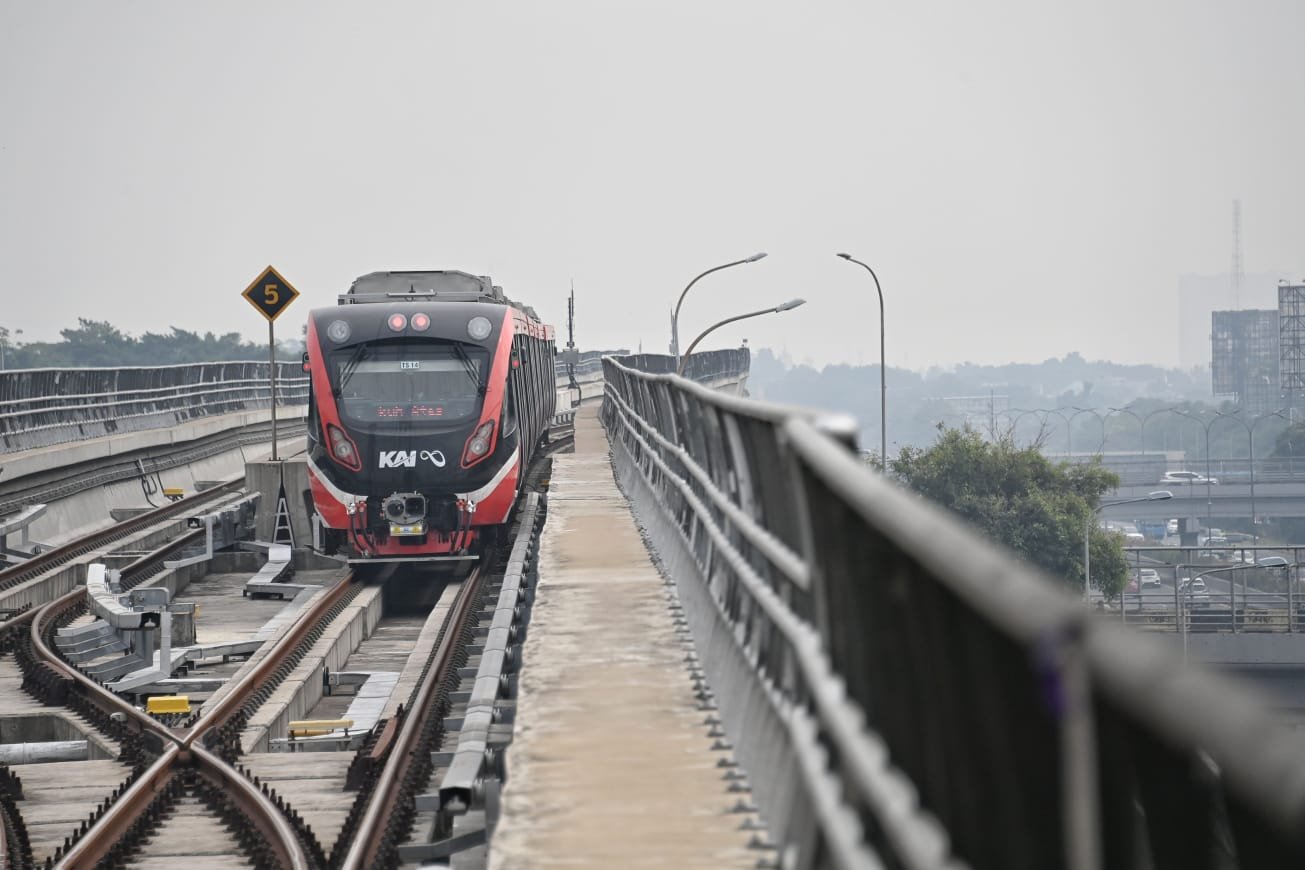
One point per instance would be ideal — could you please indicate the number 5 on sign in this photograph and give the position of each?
(270, 293)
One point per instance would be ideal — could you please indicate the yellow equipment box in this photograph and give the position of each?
(168, 704)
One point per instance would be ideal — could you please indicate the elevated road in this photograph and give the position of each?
(1217, 500)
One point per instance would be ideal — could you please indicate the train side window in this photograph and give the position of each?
(510, 407)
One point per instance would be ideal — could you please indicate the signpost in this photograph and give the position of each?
(270, 294)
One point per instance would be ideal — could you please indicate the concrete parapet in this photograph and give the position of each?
(21, 463)
(267, 477)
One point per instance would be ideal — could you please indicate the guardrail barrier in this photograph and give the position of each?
(40, 407)
(902, 693)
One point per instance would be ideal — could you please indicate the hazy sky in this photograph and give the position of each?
(1028, 178)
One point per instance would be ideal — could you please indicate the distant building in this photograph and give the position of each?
(1291, 342)
(1244, 359)
(1201, 295)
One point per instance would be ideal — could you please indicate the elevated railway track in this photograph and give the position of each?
(191, 773)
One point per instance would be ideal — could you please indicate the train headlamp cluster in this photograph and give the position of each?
(397, 322)
(343, 449)
(420, 321)
(479, 443)
(479, 328)
(338, 331)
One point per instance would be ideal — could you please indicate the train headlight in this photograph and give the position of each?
(397, 322)
(479, 443)
(421, 322)
(479, 328)
(343, 449)
(338, 331)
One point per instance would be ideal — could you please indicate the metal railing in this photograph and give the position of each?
(1222, 589)
(40, 407)
(902, 693)
(589, 362)
(731, 362)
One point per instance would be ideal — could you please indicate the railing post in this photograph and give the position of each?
(1291, 594)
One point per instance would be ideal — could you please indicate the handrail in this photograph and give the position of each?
(874, 659)
(42, 407)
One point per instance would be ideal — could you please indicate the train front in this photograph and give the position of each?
(408, 457)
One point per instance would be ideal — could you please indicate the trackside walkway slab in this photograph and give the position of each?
(611, 764)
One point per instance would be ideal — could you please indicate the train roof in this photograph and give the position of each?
(448, 285)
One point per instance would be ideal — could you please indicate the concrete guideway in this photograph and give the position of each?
(89, 480)
(612, 763)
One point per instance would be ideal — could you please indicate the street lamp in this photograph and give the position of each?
(675, 317)
(1141, 422)
(1100, 420)
(1209, 502)
(1020, 414)
(1250, 446)
(1158, 495)
(1069, 432)
(787, 306)
(883, 381)
(1181, 598)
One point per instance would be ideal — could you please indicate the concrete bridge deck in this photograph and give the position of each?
(612, 764)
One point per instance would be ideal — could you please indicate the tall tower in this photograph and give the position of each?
(1235, 276)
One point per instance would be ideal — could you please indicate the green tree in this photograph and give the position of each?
(98, 343)
(1290, 443)
(1020, 499)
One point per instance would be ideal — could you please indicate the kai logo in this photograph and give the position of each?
(397, 459)
(408, 458)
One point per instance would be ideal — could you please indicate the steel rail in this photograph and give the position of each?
(226, 706)
(4, 840)
(103, 698)
(260, 810)
(187, 748)
(365, 849)
(65, 553)
(117, 819)
(110, 828)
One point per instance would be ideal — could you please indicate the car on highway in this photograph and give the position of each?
(1193, 590)
(1150, 577)
(1191, 477)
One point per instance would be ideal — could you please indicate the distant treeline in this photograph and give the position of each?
(98, 343)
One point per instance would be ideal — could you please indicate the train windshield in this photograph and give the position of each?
(430, 383)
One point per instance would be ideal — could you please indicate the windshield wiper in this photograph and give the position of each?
(469, 367)
(358, 355)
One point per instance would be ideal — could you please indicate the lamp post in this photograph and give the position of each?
(1158, 495)
(1141, 422)
(1209, 502)
(787, 306)
(1020, 414)
(883, 378)
(1181, 598)
(675, 317)
(1100, 421)
(1069, 432)
(1250, 445)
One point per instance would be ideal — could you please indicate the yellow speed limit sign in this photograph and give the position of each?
(270, 293)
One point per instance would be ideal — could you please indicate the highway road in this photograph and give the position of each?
(1217, 500)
